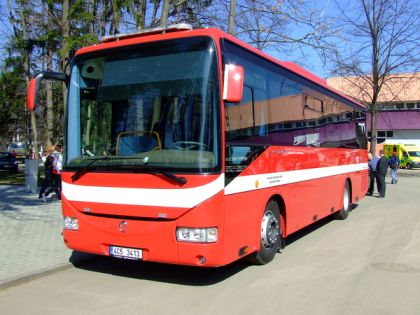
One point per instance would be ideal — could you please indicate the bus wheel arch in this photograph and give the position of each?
(270, 233)
(283, 218)
(346, 201)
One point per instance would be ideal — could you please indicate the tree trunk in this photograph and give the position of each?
(65, 50)
(164, 14)
(26, 66)
(49, 104)
(373, 138)
(231, 20)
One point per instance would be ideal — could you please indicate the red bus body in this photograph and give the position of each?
(143, 211)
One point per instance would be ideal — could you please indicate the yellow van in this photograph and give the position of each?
(409, 154)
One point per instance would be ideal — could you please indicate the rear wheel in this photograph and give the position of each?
(270, 235)
(409, 166)
(345, 210)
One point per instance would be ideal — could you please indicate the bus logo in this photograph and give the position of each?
(123, 226)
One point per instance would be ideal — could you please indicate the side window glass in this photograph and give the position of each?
(239, 120)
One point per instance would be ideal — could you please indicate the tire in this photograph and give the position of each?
(345, 210)
(270, 235)
(409, 166)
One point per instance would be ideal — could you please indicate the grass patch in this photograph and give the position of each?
(13, 178)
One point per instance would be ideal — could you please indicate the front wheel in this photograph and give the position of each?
(409, 166)
(345, 210)
(270, 235)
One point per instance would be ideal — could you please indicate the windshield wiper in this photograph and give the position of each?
(178, 179)
(85, 169)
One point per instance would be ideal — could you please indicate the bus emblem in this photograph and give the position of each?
(123, 226)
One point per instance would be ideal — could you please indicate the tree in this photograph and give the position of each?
(378, 38)
(231, 18)
(24, 48)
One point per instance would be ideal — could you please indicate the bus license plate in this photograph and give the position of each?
(125, 252)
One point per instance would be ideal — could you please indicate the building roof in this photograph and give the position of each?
(404, 87)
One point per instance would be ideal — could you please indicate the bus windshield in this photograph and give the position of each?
(153, 104)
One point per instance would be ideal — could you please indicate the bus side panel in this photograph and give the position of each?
(306, 201)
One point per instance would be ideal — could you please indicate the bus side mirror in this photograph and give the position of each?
(233, 83)
(35, 85)
(33, 92)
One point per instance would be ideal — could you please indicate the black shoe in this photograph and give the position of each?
(381, 197)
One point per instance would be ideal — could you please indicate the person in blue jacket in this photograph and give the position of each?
(394, 164)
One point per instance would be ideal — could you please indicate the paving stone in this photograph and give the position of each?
(31, 240)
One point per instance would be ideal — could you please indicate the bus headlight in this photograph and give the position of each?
(195, 235)
(71, 224)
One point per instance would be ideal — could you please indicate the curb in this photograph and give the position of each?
(76, 259)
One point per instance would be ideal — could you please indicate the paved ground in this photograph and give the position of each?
(31, 241)
(367, 264)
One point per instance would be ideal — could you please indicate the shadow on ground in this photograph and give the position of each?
(13, 197)
(141, 270)
(183, 275)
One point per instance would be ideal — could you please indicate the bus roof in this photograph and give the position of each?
(184, 30)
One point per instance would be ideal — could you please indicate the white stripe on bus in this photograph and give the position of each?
(260, 181)
(176, 198)
(191, 197)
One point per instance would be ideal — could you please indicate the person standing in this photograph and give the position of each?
(381, 170)
(373, 162)
(394, 164)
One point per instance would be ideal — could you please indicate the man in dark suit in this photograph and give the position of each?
(381, 170)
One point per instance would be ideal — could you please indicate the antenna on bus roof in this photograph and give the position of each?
(156, 30)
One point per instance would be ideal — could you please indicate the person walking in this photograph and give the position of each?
(48, 169)
(56, 172)
(57, 166)
(373, 162)
(381, 170)
(394, 164)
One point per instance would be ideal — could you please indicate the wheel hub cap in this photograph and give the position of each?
(270, 230)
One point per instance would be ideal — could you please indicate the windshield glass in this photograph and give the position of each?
(414, 153)
(154, 104)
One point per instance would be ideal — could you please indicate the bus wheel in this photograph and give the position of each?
(344, 212)
(409, 166)
(270, 235)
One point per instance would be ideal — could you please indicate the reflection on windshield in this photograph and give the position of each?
(155, 104)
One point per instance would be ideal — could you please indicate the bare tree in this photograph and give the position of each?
(274, 26)
(379, 38)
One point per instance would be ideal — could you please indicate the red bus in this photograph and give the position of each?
(190, 147)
